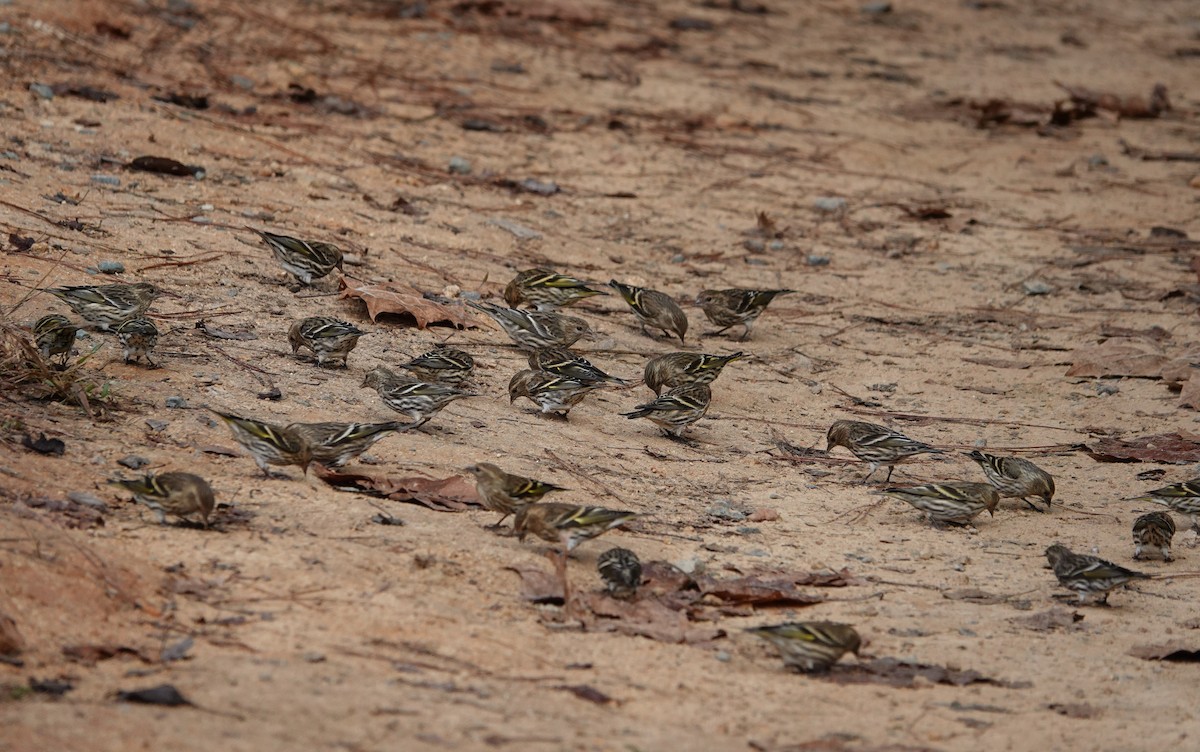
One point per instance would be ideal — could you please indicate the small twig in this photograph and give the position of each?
(575, 471)
(192, 262)
(245, 365)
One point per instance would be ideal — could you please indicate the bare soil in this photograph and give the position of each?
(954, 261)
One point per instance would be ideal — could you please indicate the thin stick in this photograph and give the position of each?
(575, 471)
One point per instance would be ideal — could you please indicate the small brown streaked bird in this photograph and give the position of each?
(55, 335)
(727, 308)
(653, 308)
(546, 290)
(1088, 576)
(177, 494)
(419, 400)
(1016, 478)
(683, 368)
(335, 444)
(1153, 530)
(507, 493)
(956, 503)
(532, 330)
(621, 571)
(1181, 498)
(675, 410)
(441, 365)
(303, 259)
(330, 339)
(810, 646)
(269, 444)
(107, 306)
(875, 444)
(138, 337)
(561, 361)
(554, 395)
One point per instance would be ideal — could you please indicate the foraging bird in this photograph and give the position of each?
(727, 308)
(335, 444)
(1153, 530)
(877, 445)
(546, 290)
(683, 368)
(268, 443)
(621, 571)
(304, 260)
(177, 494)
(106, 306)
(535, 329)
(555, 395)
(561, 361)
(810, 646)
(1182, 498)
(956, 503)
(55, 335)
(419, 400)
(443, 365)
(138, 337)
(507, 493)
(653, 308)
(1088, 575)
(1016, 478)
(330, 339)
(675, 410)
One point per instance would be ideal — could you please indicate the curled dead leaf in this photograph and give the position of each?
(400, 299)
(453, 494)
(1166, 447)
(1177, 651)
(1119, 356)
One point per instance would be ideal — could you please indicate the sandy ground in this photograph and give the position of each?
(947, 272)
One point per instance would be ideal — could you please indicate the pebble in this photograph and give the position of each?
(1105, 388)
(106, 180)
(723, 656)
(754, 245)
(755, 262)
(175, 402)
(876, 8)
(42, 90)
(814, 260)
(1036, 287)
(314, 657)
(157, 425)
(540, 187)
(520, 231)
(830, 204)
(459, 166)
(88, 500)
(690, 565)
(241, 82)
(10, 155)
(111, 267)
(723, 510)
(133, 461)
(776, 245)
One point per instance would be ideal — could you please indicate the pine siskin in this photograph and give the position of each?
(810, 646)
(444, 365)
(1153, 530)
(335, 444)
(1182, 498)
(878, 445)
(683, 368)
(546, 290)
(553, 394)
(138, 337)
(677, 409)
(727, 308)
(566, 524)
(507, 493)
(956, 502)
(269, 444)
(561, 361)
(55, 335)
(330, 339)
(653, 308)
(302, 259)
(1016, 478)
(1088, 575)
(177, 494)
(621, 572)
(535, 329)
(106, 306)
(419, 400)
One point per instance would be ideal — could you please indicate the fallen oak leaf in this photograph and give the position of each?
(404, 300)
(451, 494)
(163, 694)
(1119, 356)
(1177, 651)
(1166, 447)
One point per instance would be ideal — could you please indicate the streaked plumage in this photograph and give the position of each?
(335, 444)
(138, 337)
(106, 306)
(1181, 498)
(677, 409)
(1153, 530)
(268, 443)
(330, 339)
(561, 361)
(546, 290)
(727, 308)
(304, 260)
(621, 571)
(682, 368)
(875, 444)
(443, 365)
(810, 646)
(553, 394)
(536, 329)
(507, 493)
(566, 524)
(55, 335)
(419, 400)
(1015, 477)
(653, 308)
(1088, 575)
(955, 502)
(177, 494)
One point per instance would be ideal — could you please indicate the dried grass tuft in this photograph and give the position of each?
(23, 367)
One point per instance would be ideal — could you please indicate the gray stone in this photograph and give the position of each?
(175, 402)
(111, 267)
(106, 180)
(42, 90)
(459, 166)
(88, 500)
(133, 461)
(830, 204)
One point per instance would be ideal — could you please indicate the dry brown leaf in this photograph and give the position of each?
(645, 618)
(1120, 356)
(1166, 447)
(406, 301)
(538, 585)
(897, 673)
(1177, 651)
(451, 494)
(1189, 394)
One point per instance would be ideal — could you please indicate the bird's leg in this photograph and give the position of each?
(1033, 506)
